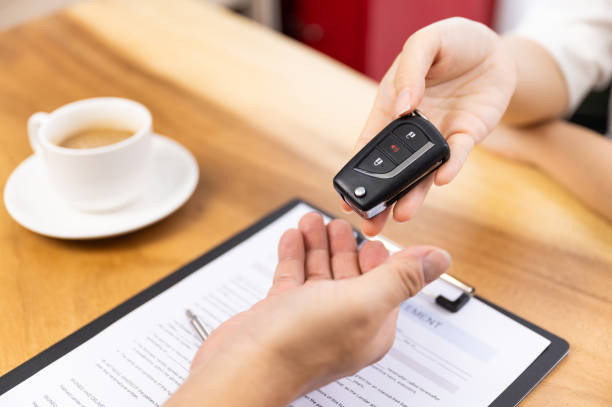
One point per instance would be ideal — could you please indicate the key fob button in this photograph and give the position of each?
(376, 162)
(360, 192)
(395, 149)
(371, 180)
(411, 136)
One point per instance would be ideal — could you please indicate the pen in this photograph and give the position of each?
(197, 325)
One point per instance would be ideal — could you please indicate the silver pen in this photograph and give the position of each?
(197, 325)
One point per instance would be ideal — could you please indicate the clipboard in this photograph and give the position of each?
(511, 396)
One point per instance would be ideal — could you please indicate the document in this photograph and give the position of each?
(438, 358)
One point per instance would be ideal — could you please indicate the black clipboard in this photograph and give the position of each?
(511, 396)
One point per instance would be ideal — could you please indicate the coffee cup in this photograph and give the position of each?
(103, 172)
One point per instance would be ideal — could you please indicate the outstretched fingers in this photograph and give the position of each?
(290, 269)
(372, 254)
(343, 248)
(316, 245)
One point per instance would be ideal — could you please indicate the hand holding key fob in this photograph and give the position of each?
(391, 164)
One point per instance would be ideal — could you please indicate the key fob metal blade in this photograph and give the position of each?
(391, 164)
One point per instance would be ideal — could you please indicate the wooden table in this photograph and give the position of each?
(279, 119)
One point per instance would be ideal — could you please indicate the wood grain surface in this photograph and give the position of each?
(268, 119)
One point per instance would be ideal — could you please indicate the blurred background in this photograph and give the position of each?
(363, 34)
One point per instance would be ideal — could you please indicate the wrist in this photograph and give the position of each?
(254, 377)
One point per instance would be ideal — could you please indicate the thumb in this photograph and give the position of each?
(403, 275)
(415, 60)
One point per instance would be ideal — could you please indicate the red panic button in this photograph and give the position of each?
(397, 151)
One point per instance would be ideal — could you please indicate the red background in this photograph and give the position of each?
(368, 34)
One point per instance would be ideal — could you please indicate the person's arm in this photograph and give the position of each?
(562, 51)
(578, 158)
(236, 379)
(465, 78)
(331, 311)
(541, 92)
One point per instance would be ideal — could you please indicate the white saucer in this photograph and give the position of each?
(32, 202)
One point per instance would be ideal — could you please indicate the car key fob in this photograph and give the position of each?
(391, 164)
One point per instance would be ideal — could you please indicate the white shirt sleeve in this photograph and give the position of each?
(578, 34)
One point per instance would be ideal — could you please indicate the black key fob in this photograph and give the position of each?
(391, 164)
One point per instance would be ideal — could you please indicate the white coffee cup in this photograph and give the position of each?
(101, 178)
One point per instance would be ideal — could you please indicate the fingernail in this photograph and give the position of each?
(367, 234)
(435, 263)
(402, 103)
(344, 209)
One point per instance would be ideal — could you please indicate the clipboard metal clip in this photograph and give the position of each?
(455, 305)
